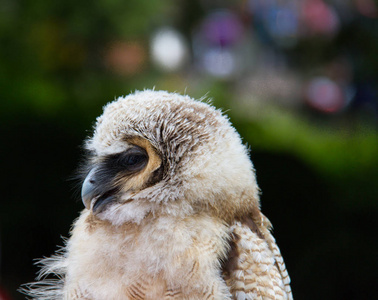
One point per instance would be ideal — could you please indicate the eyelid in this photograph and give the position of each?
(124, 159)
(136, 150)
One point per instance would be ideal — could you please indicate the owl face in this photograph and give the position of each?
(136, 167)
(160, 153)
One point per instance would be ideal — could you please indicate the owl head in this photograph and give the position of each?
(155, 153)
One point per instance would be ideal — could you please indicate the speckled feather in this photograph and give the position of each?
(186, 226)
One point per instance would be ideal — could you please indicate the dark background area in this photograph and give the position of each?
(297, 78)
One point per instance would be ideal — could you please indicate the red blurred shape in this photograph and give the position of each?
(4, 295)
(125, 58)
(367, 8)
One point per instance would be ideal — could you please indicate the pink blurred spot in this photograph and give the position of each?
(319, 17)
(325, 95)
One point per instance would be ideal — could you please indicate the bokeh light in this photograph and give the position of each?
(169, 50)
(325, 95)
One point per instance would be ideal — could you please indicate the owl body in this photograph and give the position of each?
(164, 258)
(171, 211)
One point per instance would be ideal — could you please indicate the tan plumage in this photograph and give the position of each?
(172, 211)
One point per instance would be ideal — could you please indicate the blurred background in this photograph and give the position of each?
(298, 79)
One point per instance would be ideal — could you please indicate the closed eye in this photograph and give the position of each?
(130, 161)
(133, 160)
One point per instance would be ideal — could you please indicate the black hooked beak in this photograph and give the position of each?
(95, 195)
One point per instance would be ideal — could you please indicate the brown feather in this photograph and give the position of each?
(254, 268)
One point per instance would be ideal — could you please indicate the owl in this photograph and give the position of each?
(171, 211)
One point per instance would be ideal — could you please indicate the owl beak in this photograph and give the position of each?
(88, 189)
(96, 196)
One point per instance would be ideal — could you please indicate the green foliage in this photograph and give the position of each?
(49, 50)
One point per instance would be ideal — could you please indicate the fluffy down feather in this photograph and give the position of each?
(172, 211)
